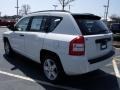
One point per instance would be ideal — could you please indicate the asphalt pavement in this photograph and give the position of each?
(20, 73)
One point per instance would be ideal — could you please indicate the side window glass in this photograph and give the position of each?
(54, 23)
(22, 25)
(36, 24)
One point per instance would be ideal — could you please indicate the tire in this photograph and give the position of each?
(52, 68)
(8, 49)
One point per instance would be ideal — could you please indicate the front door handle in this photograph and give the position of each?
(21, 35)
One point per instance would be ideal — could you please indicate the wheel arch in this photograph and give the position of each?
(5, 39)
(45, 52)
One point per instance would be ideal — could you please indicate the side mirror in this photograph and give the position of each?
(11, 27)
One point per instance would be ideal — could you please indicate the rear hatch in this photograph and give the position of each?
(98, 38)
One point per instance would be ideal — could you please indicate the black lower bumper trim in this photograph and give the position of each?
(110, 54)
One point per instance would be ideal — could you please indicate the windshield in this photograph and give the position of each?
(91, 27)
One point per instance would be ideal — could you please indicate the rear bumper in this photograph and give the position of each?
(99, 59)
(101, 63)
(81, 65)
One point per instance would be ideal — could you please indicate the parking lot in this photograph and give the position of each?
(19, 73)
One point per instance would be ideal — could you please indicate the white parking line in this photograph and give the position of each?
(37, 81)
(116, 57)
(116, 71)
(117, 48)
(116, 68)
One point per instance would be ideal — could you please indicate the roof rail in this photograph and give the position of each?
(49, 11)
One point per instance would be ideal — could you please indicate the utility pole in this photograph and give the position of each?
(55, 6)
(0, 14)
(63, 6)
(70, 7)
(108, 3)
(105, 6)
(17, 7)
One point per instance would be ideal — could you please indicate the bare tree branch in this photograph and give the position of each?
(115, 17)
(60, 2)
(64, 3)
(69, 1)
(25, 9)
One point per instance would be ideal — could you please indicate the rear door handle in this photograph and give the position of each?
(21, 35)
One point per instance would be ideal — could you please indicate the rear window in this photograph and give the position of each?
(91, 26)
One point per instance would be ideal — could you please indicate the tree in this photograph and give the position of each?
(25, 9)
(64, 3)
(115, 18)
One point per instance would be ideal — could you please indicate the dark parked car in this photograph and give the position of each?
(6, 23)
(115, 28)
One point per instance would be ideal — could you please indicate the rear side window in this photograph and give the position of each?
(92, 26)
(52, 23)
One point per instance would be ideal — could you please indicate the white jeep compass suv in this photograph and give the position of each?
(62, 42)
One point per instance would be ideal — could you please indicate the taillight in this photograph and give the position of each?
(77, 46)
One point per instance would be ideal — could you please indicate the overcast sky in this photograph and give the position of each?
(7, 7)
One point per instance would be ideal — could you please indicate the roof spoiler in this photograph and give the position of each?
(86, 16)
